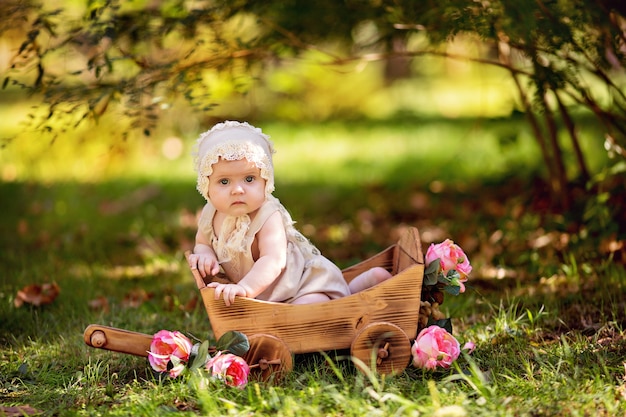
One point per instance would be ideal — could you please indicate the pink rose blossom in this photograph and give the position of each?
(451, 257)
(434, 347)
(231, 368)
(168, 347)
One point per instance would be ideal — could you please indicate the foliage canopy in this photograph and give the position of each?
(139, 57)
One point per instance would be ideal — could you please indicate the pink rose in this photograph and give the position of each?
(168, 347)
(231, 368)
(434, 347)
(451, 257)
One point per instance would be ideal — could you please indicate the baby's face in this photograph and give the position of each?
(236, 187)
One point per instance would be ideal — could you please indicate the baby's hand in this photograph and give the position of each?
(229, 291)
(206, 264)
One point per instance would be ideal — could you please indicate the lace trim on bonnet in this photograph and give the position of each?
(233, 141)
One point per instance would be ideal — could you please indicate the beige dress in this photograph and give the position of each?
(306, 272)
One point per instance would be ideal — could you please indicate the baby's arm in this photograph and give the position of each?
(203, 258)
(272, 242)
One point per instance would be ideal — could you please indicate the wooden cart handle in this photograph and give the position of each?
(117, 340)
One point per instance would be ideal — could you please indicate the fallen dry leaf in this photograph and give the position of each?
(169, 303)
(191, 304)
(37, 294)
(611, 244)
(20, 410)
(99, 304)
(135, 298)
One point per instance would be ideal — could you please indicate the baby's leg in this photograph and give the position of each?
(368, 279)
(311, 298)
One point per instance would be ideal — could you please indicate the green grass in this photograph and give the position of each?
(550, 336)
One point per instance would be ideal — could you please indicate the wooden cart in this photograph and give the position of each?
(377, 324)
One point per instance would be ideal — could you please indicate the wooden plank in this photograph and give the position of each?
(408, 250)
(383, 259)
(324, 326)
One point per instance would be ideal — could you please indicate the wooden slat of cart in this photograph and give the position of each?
(325, 326)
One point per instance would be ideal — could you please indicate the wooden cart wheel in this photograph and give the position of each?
(268, 357)
(381, 347)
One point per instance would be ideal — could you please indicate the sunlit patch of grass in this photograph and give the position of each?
(564, 369)
(394, 153)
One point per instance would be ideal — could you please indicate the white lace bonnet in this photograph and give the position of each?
(232, 141)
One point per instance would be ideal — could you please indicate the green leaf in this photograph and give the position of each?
(234, 342)
(443, 323)
(430, 279)
(453, 274)
(433, 267)
(23, 369)
(452, 289)
(432, 272)
(199, 355)
(173, 362)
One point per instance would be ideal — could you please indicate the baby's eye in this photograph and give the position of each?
(250, 178)
(223, 181)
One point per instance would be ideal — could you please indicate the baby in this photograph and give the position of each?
(247, 232)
